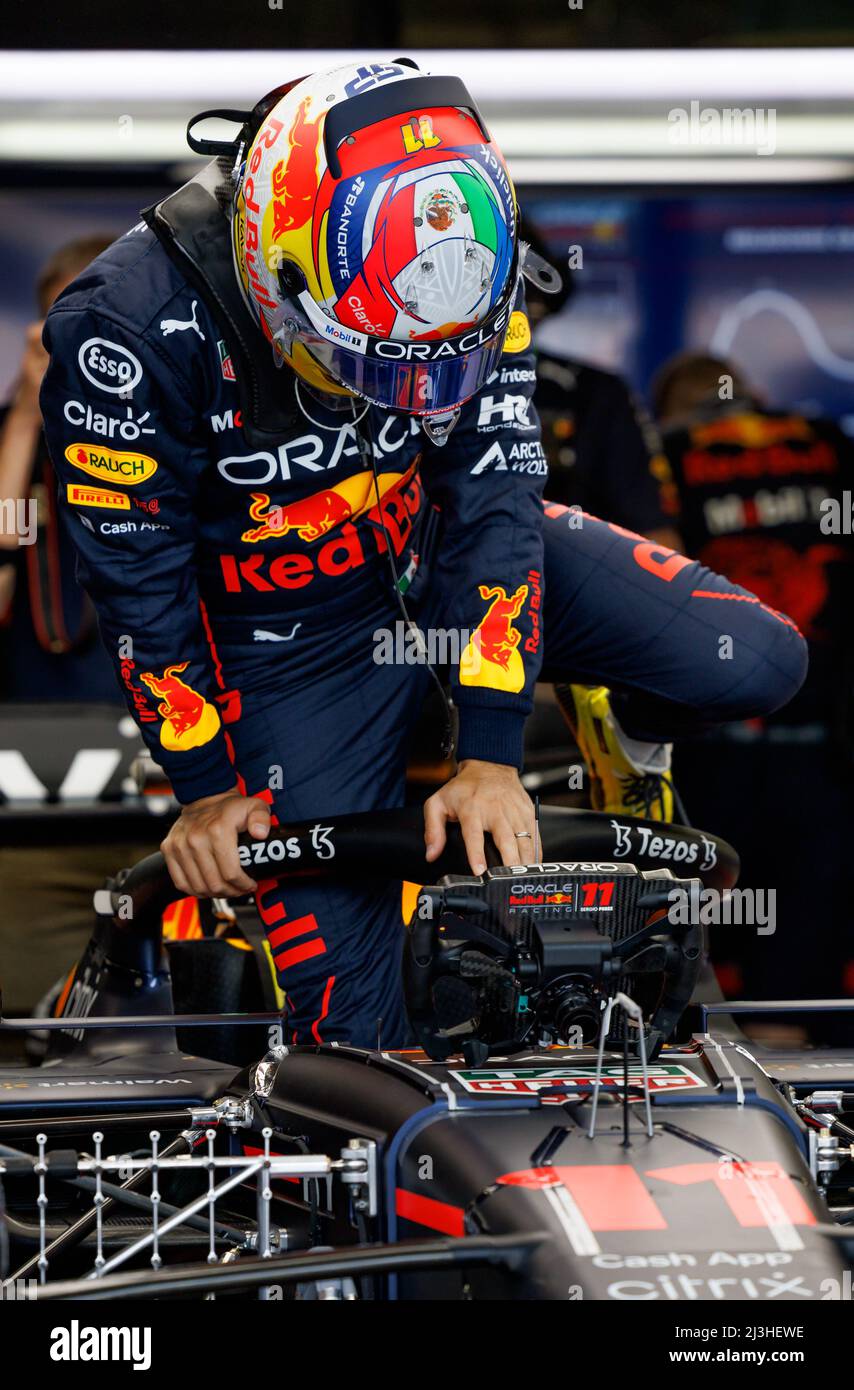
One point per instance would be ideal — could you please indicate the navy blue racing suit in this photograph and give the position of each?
(246, 596)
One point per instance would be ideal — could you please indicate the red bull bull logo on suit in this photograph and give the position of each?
(492, 657)
(314, 516)
(310, 518)
(188, 719)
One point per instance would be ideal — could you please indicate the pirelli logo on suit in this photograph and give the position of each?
(82, 496)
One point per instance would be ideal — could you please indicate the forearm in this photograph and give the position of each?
(488, 481)
(494, 682)
(141, 575)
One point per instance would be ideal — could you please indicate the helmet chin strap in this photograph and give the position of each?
(438, 427)
(333, 403)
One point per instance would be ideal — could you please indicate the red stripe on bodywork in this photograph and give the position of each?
(426, 1211)
(610, 1197)
(622, 1203)
(751, 1190)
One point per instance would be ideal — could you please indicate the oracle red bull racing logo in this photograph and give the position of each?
(188, 719)
(492, 657)
(347, 546)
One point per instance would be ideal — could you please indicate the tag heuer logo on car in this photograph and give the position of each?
(109, 366)
(111, 466)
(507, 1081)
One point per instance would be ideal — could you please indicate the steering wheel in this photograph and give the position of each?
(381, 843)
(497, 965)
(391, 843)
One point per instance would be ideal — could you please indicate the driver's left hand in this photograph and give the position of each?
(483, 797)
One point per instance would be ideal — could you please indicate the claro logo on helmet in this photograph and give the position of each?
(106, 463)
(359, 313)
(109, 366)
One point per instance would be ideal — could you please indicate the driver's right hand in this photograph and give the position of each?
(201, 847)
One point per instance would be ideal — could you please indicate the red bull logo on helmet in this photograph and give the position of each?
(188, 719)
(294, 180)
(491, 658)
(246, 222)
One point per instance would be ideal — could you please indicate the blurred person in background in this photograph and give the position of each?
(756, 489)
(49, 651)
(49, 647)
(603, 451)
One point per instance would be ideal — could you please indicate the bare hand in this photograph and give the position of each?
(483, 797)
(201, 847)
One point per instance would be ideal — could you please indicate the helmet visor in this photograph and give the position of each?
(419, 387)
(417, 377)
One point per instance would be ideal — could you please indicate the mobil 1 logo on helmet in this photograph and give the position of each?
(109, 366)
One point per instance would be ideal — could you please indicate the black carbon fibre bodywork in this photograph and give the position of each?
(718, 1204)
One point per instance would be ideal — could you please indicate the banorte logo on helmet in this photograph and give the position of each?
(414, 242)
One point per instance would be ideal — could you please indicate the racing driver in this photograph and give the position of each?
(290, 413)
